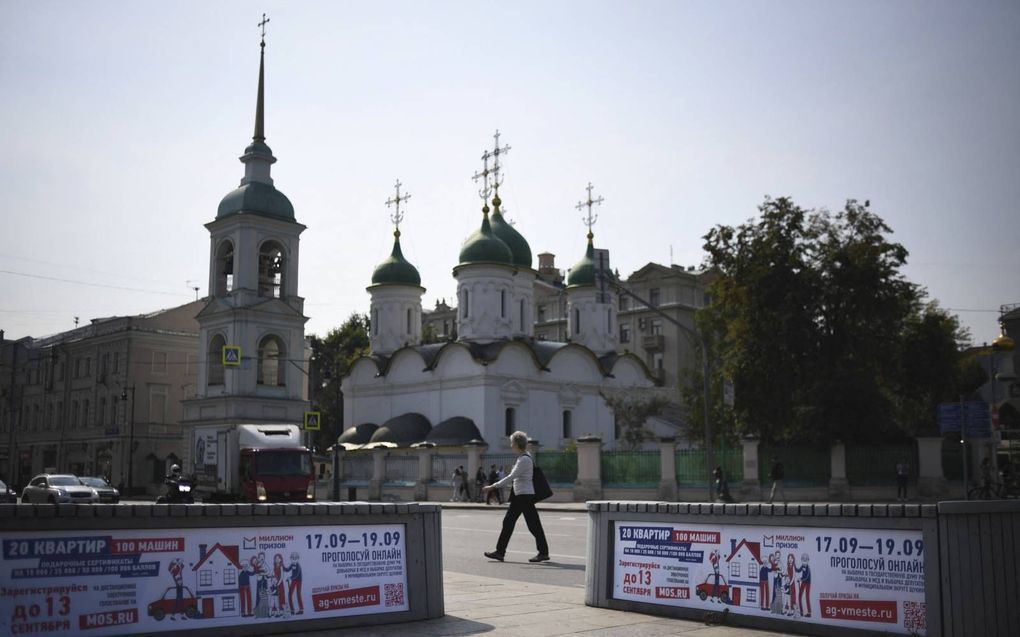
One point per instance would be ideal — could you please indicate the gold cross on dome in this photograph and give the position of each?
(589, 219)
(497, 180)
(483, 174)
(397, 216)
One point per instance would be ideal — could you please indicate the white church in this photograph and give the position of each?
(495, 377)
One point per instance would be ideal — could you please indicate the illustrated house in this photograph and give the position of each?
(742, 571)
(216, 574)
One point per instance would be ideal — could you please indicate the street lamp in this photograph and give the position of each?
(131, 435)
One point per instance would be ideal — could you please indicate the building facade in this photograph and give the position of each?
(79, 400)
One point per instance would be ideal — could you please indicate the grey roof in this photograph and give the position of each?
(256, 198)
(455, 431)
(358, 435)
(403, 430)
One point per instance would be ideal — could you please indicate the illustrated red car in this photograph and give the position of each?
(167, 605)
(710, 589)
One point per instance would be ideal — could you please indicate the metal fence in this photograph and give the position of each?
(443, 466)
(871, 466)
(693, 470)
(504, 462)
(631, 468)
(559, 467)
(357, 467)
(802, 466)
(401, 469)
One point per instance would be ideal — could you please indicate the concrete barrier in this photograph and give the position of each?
(131, 569)
(717, 562)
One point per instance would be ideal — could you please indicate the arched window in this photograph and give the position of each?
(214, 360)
(502, 303)
(568, 424)
(271, 270)
(409, 331)
(510, 418)
(577, 322)
(375, 322)
(464, 305)
(224, 268)
(271, 359)
(520, 312)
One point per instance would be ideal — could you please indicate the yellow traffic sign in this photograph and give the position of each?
(312, 419)
(231, 355)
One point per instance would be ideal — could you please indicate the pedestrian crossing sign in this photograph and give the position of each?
(312, 420)
(231, 355)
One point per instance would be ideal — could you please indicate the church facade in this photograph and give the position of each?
(495, 377)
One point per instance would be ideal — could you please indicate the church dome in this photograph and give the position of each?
(396, 270)
(454, 432)
(403, 430)
(358, 435)
(519, 247)
(483, 246)
(256, 197)
(583, 272)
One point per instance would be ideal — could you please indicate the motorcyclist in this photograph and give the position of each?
(174, 481)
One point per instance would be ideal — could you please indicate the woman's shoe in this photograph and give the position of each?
(496, 555)
(541, 557)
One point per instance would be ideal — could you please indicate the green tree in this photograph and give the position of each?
(632, 408)
(332, 356)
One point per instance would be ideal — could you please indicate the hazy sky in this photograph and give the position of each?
(121, 124)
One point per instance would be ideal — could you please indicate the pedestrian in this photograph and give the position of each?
(465, 493)
(455, 479)
(493, 479)
(522, 502)
(722, 489)
(902, 476)
(479, 483)
(778, 474)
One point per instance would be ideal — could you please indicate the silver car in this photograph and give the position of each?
(106, 491)
(58, 489)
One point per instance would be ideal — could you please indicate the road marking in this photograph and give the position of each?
(497, 531)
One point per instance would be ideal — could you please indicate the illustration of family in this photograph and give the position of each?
(791, 586)
(273, 597)
(780, 589)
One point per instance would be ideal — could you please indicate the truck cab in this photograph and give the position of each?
(277, 475)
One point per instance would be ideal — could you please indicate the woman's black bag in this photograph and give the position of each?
(542, 489)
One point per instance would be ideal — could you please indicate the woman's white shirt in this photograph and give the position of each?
(522, 476)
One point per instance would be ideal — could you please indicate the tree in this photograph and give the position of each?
(332, 357)
(823, 336)
(632, 408)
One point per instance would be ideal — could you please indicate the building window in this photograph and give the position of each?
(114, 410)
(190, 361)
(653, 297)
(375, 322)
(74, 415)
(464, 305)
(157, 404)
(521, 313)
(205, 577)
(85, 422)
(159, 363)
(101, 414)
(104, 365)
(577, 322)
(116, 362)
(657, 362)
(229, 576)
(271, 360)
(624, 302)
(271, 270)
(224, 268)
(568, 424)
(502, 303)
(49, 416)
(77, 368)
(656, 327)
(409, 321)
(509, 421)
(88, 366)
(60, 371)
(228, 601)
(214, 360)
(624, 332)
(735, 569)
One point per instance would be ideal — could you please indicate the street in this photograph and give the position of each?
(467, 533)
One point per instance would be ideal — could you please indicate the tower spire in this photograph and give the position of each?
(260, 132)
(258, 157)
(397, 216)
(497, 179)
(590, 218)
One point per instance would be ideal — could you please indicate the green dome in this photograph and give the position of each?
(583, 272)
(507, 234)
(396, 270)
(256, 197)
(483, 246)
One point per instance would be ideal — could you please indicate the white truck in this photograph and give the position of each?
(252, 463)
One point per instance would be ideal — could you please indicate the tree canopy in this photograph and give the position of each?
(332, 356)
(821, 333)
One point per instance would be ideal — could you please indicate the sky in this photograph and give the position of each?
(121, 124)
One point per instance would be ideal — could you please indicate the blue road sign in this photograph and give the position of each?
(974, 417)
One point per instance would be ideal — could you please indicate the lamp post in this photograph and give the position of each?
(131, 435)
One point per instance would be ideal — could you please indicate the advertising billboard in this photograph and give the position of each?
(133, 581)
(854, 578)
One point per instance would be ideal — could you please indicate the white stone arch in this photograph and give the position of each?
(515, 360)
(272, 262)
(215, 371)
(225, 256)
(271, 355)
(406, 366)
(575, 364)
(455, 361)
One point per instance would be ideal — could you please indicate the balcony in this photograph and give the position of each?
(653, 342)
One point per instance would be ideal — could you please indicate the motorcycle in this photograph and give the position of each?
(178, 491)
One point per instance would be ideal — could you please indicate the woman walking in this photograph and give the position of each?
(522, 502)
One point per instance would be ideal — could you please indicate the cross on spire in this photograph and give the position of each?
(590, 218)
(397, 216)
(496, 152)
(262, 25)
(483, 174)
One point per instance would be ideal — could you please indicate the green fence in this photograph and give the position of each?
(559, 467)
(631, 468)
(952, 460)
(803, 466)
(871, 466)
(693, 470)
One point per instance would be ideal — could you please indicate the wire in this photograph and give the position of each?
(95, 285)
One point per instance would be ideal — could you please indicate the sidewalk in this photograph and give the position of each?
(507, 608)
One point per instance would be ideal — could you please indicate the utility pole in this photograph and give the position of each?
(131, 435)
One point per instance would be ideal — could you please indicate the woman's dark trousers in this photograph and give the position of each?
(522, 505)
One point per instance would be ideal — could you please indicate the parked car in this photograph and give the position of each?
(7, 494)
(106, 491)
(60, 488)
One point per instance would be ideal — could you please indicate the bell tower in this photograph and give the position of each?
(253, 301)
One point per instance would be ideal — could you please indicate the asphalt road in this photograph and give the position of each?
(467, 533)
